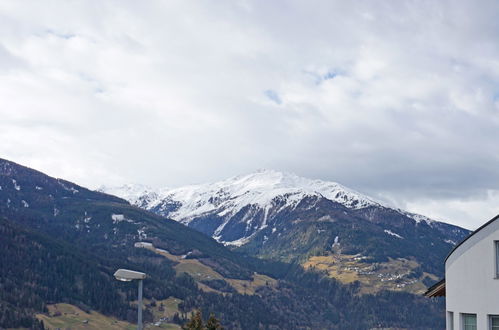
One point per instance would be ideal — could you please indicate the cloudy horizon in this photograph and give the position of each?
(396, 99)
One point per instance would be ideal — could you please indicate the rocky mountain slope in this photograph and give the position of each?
(285, 217)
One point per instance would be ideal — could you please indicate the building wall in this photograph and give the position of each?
(471, 286)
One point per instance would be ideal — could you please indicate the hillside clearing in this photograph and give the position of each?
(201, 272)
(395, 274)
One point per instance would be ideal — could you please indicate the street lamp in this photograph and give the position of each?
(130, 275)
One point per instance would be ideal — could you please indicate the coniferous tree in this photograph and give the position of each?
(195, 323)
(213, 323)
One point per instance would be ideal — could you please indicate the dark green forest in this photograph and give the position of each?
(43, 271)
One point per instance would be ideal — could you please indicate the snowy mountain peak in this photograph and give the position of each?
(270, 183)
(253, 199)
(229, 196)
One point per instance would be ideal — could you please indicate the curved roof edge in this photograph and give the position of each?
(471, 235)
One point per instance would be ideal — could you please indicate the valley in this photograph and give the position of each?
(62, 243)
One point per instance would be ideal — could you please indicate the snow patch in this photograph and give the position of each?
(142, 234)
(237, 242)
(73, 190)
(87, 218)
(25, 204)
(117, 217)
(417, 217)
(38, 188)
(448, 241)
(143, 245)
(186, 255)
(336, 242)
(389, 232)
(16, 186)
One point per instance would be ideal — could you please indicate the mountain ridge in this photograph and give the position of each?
(229, 196)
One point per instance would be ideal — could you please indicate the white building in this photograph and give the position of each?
(471, 284)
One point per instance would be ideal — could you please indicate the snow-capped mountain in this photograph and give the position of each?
(253, 200)
(282, 216)
(285, 217)
(262, 190)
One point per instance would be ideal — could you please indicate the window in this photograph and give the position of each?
(469, 321)
(450, 321)
(496, 243)
(494, 322)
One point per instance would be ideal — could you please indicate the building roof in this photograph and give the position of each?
(471, 235)
(436, 290)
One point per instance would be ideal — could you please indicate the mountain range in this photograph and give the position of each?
(62, 242)
(281, 216)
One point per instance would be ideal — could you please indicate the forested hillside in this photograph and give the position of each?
(62, 243)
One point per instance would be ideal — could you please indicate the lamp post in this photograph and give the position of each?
(130, 275)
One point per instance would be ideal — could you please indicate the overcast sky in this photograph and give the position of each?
(396, 99)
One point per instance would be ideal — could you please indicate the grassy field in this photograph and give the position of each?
(197, 270)
(164, 308)
(201, 272)
(249, 287)
(66, 316)
(390, 275)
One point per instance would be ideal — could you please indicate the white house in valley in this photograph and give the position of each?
(471, 284)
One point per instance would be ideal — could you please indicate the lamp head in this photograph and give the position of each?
(128, 275)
